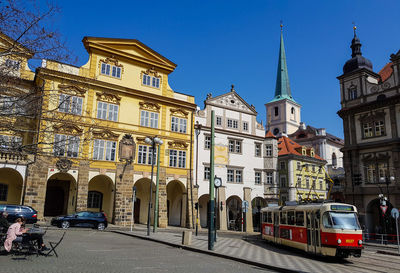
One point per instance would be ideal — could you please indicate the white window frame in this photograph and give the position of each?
(104, 150)
(268, 150)
(110, 70)
(207, 142)
(177, 158)
(151, 81)
(269, 178)
(257, 151)
(145, 153)
(148, 119)
(257, 178)
(234, 175)
(69, 145)
(235, 146)
(178, 125)
(107, 111)
(70, 104)
(245, 126)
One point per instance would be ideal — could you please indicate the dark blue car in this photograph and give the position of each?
(96, 220)
(16, 211)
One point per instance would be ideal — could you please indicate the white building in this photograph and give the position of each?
(240, 151)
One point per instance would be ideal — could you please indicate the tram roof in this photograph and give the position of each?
(305, 206)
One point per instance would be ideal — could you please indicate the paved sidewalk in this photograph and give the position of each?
(254, 251)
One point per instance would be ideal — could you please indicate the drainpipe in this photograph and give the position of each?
(191, 167)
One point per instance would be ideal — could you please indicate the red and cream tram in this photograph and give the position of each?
(328, 229)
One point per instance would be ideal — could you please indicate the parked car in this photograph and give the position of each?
(81, 219)
(15, 211)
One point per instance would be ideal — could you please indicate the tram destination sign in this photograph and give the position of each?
(342, 207)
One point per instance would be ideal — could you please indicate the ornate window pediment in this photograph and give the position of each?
(105, 134)
(179, 112)
(177, 144)
(112, 60)
(151, 106)
(72, 90)
(152, 72)
(69, 129)
(108, 97)
(373, 116)
(140, 140)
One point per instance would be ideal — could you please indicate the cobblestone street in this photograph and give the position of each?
(86, 250)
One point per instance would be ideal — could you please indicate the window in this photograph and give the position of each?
(70, 104)
(145, 154)
(320, 184)
(283, 218)
(268, 150)
(298, 181)
(151, 81)
(367, 130)
(13, 64)
(290, 218)
(232, 123)
(148, 119)
(177, 159)
(276, 131)
(352, 93)
(219, 121)
(235, 146)
(104, 150)
(371, 173)
(334, 160)
(268, 178)
(10, 142)
(110, 70)
(207, 173)
(245, 126)
(66, 145)
(95, 199)
(178, 125)
(283, 165)
(307, 182)
(283, 182)
(292, 114)
(379, 128)
(383, 170)
(276, 110)
(207, 142)
(298, 166)
(3, 192)
(257, 178)
(299, 218)
(234, 176)
(107, 111)
(257, 149)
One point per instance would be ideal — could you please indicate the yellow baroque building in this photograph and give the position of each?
(121, 91)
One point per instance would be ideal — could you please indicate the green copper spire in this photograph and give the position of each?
(282, 89)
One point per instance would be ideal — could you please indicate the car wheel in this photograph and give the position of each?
(65, 224)
(101, 226)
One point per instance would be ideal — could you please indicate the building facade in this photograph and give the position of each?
(120, 96)
(241, 153)
(370, 109)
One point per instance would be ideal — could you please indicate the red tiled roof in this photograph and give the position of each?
(286, 146)
(269, 134)
(386, 71)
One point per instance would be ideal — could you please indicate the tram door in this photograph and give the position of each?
(276, 226)
(311, 236)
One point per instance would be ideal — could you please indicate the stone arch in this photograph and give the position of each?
(234, 212)
(105, 186)
(176, 203)
(142, 200)
(11, 184)
(60, 195)
(257, 204)
(203, 210)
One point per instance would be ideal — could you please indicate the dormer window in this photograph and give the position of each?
(110, 70)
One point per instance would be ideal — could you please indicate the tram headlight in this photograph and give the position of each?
(360, 242)
(339, 241)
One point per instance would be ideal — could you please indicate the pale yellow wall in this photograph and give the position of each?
(14, 181)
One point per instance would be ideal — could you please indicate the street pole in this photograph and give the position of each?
(397, 231)
(216, 213)
(211, 231)
(157, 188)
(133, 205)
(151, 189)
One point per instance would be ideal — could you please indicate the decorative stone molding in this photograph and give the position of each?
(70, 129)
(64, 165)
(108, 97)
(141, 140)
(70, 89)
(177, 144)
(378, 115)
(147, 105)
(179, 112)
(111, 60)
(127, 148)
(105, 134)
(152, 71)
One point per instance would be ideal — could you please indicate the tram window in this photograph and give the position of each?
(299, 218)
(265, 216)
(269, 217)
(290, 217)
(283, 218)
(326, 220)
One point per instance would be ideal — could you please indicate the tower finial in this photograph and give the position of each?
(232, 88)
(354, 29)
(281, 25)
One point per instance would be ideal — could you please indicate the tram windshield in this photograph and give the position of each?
(343, 220)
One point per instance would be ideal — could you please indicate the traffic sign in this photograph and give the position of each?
(395, 213)
(384, 209)
(245, 205)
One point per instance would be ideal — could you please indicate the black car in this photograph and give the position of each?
(16, 211)
(81, 219)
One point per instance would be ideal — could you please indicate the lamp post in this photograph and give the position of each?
(157, 187)
(384, 199)
(153, 141)
(133, 205)
(197, 132)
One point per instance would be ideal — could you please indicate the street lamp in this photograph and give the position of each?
(153, 141)
(387, 181)
(197, 132)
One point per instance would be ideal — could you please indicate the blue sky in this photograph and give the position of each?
(219, 43)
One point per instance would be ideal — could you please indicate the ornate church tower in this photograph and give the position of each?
(283, 112)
